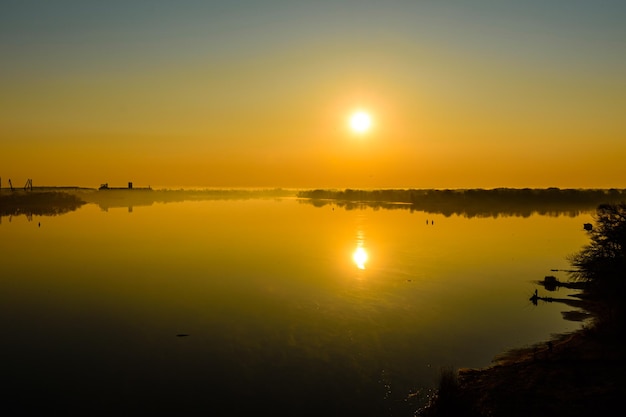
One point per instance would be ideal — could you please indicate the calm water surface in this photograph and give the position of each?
(265, 305)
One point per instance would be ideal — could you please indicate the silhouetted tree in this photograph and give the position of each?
(602, 262)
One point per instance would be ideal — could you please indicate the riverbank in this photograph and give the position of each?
(39, 203)
(576, 374)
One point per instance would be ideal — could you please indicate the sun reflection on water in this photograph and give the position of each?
(360, 255)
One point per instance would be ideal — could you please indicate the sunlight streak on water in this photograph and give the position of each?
(360, 257)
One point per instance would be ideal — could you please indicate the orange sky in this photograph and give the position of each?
(238, 94)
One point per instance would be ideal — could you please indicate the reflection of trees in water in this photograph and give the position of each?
(29, 204)
(129, 198)
(471, 203)
(57, 202)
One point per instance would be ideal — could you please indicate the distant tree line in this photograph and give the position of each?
(38, 203)
(472, 202)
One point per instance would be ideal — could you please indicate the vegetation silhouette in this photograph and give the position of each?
(602, 263)
(469, 203)
(38, 203)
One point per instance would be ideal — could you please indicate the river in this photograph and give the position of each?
(270, 305)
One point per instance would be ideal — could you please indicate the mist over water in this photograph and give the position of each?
(266, 304)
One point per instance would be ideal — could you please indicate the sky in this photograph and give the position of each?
(167, 94)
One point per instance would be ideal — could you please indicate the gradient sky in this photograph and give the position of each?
(463, 94)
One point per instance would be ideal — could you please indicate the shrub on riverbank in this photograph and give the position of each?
(602, 263)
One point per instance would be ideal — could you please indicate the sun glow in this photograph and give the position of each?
(360, 122)
(360, 257)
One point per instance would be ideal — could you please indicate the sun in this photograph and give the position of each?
(360, 122)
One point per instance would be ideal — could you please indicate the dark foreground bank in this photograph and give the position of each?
(577, 374)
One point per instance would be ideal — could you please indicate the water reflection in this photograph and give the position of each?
(470, 203)
(360, 255)
(29, 204)
(116, 198)
(103, 307)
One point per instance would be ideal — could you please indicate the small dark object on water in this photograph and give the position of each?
(182, 335)
(550, 279)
